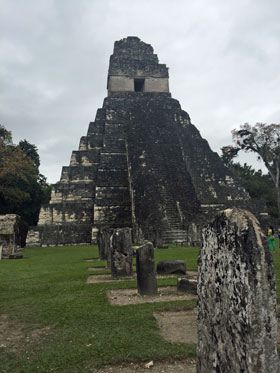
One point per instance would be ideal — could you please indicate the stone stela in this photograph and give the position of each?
(237, 324)
(145, 268)
(121, 253)
(142, 164)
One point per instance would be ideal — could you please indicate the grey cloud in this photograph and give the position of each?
(54, 55)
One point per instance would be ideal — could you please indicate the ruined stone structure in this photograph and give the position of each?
(12, 231)
(237, 325)
(142, 164)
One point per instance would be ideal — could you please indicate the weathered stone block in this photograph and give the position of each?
(237, 325)
(184, 285)
(168, 267)
(145, 268)
(121, 252)
(104, 243)
(12, 232)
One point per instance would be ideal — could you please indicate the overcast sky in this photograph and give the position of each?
(223, 59)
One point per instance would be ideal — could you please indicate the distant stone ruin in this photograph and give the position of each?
(237, 325)
(142, 164)
(12, 232)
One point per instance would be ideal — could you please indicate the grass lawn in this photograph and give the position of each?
(48, 289)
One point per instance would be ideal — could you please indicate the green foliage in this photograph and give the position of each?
(263, 140)
(31, 151)
(22, 188)
(48, 289)
(259, 186)
(5, 136)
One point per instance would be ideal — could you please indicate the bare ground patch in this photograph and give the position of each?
(192, 275)
(97, 269)
(91, 259)
(99, 278)
(181, 326)
(184, 366)
(14, 336)
(178, 327)
(123, 297)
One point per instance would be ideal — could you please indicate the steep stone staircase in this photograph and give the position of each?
(174, 231)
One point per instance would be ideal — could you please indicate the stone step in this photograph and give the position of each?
(174, 236)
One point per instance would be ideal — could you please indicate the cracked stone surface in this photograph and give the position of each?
(237, 325)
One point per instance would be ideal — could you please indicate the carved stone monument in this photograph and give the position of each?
(145, 268)
(237, 325)
(121, 253)
(104, 243)
(142, 163)
(11, 236)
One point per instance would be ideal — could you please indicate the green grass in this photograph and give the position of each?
(48, 288)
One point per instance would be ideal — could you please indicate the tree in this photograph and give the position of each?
(5, 136)
(264, 140)
(31, 151)
(259, 186)
(22, 188)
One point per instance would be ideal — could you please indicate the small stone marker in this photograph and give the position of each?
(184, 285)
(121, 252)
(169, 267)
(103, 242)
(145, 267)
(12, 231)
(237, 325)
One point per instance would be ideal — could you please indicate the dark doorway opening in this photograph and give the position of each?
(139, 85)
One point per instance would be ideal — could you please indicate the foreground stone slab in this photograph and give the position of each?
(121, 252)
(237, 326)
(122, 297)
(145, 267)
(171, 266)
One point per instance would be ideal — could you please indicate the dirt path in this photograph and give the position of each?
(123, 297)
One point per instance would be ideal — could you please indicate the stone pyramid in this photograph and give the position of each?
(142, 164)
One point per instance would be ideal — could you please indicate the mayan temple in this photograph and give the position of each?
(142, 164)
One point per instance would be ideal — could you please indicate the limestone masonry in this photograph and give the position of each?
(142, 164)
